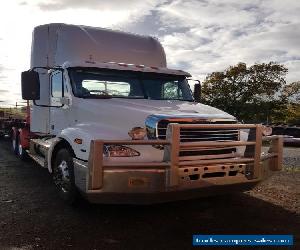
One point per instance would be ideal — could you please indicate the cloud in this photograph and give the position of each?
(2, 72)
(3, 75)
(151, 24)
(114, 13)
(294, 72)
(199, 36)
(195, 13)
(112, 5)
(218, 34)
(23, 3)
(212, 33)
(7, 90)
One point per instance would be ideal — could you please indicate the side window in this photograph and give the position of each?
(171, 90)
(56, 84)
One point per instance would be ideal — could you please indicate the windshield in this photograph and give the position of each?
(95, 83)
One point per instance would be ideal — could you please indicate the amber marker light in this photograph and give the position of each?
(78, 141)
(137, 133)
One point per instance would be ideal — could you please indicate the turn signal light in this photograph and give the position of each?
(137, 133)
(78, 141)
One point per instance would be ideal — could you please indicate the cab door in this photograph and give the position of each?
(57, 112)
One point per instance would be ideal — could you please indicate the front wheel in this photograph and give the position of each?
(63, 176)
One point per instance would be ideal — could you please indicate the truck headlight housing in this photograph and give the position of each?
(119, 151)
(137, 133)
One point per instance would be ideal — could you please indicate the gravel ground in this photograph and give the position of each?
(291, 158)
(283, 188)
(33, 217)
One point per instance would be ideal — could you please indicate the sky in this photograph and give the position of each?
(199, 36)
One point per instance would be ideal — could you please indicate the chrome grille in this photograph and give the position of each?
(190, 135)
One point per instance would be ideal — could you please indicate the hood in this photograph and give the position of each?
(158, 107)
(121, 115)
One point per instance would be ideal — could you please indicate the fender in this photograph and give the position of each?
(55, 141)
(68, 135)
(88, 132)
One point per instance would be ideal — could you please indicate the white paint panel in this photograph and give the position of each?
(82, 43)
(39, 116)
(54, 44)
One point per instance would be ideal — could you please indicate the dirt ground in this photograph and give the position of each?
(33, 217)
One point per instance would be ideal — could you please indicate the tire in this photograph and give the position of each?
(14, 142)
(21, 152)
(63, 176)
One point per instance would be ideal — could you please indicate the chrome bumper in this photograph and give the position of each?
(174, 179)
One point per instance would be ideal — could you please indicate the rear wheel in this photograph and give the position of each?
(14, 142)
(21, 152)
(63, 176)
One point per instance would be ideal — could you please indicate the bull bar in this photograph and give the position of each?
(174, 163)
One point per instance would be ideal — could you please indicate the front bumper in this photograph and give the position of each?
(147, 186)
(173, 179)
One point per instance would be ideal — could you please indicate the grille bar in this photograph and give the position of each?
(202, 135)
(198, 134)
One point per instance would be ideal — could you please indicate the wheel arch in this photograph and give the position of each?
(55, 147)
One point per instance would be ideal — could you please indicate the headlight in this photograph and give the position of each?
(119, 151)
(137, 133)
(267, 130)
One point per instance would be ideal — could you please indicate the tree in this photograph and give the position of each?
(290, 94)
(248, 93)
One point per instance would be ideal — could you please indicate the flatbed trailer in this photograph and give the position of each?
(9, 120)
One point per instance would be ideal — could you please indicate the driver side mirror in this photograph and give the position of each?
(30, 83)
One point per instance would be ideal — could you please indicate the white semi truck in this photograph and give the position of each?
(112, 123)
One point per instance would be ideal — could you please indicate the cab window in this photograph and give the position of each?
(56, 84)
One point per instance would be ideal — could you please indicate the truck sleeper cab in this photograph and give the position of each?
(130, 131)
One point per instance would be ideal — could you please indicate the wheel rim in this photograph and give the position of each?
(20, 149)
(62, 177)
